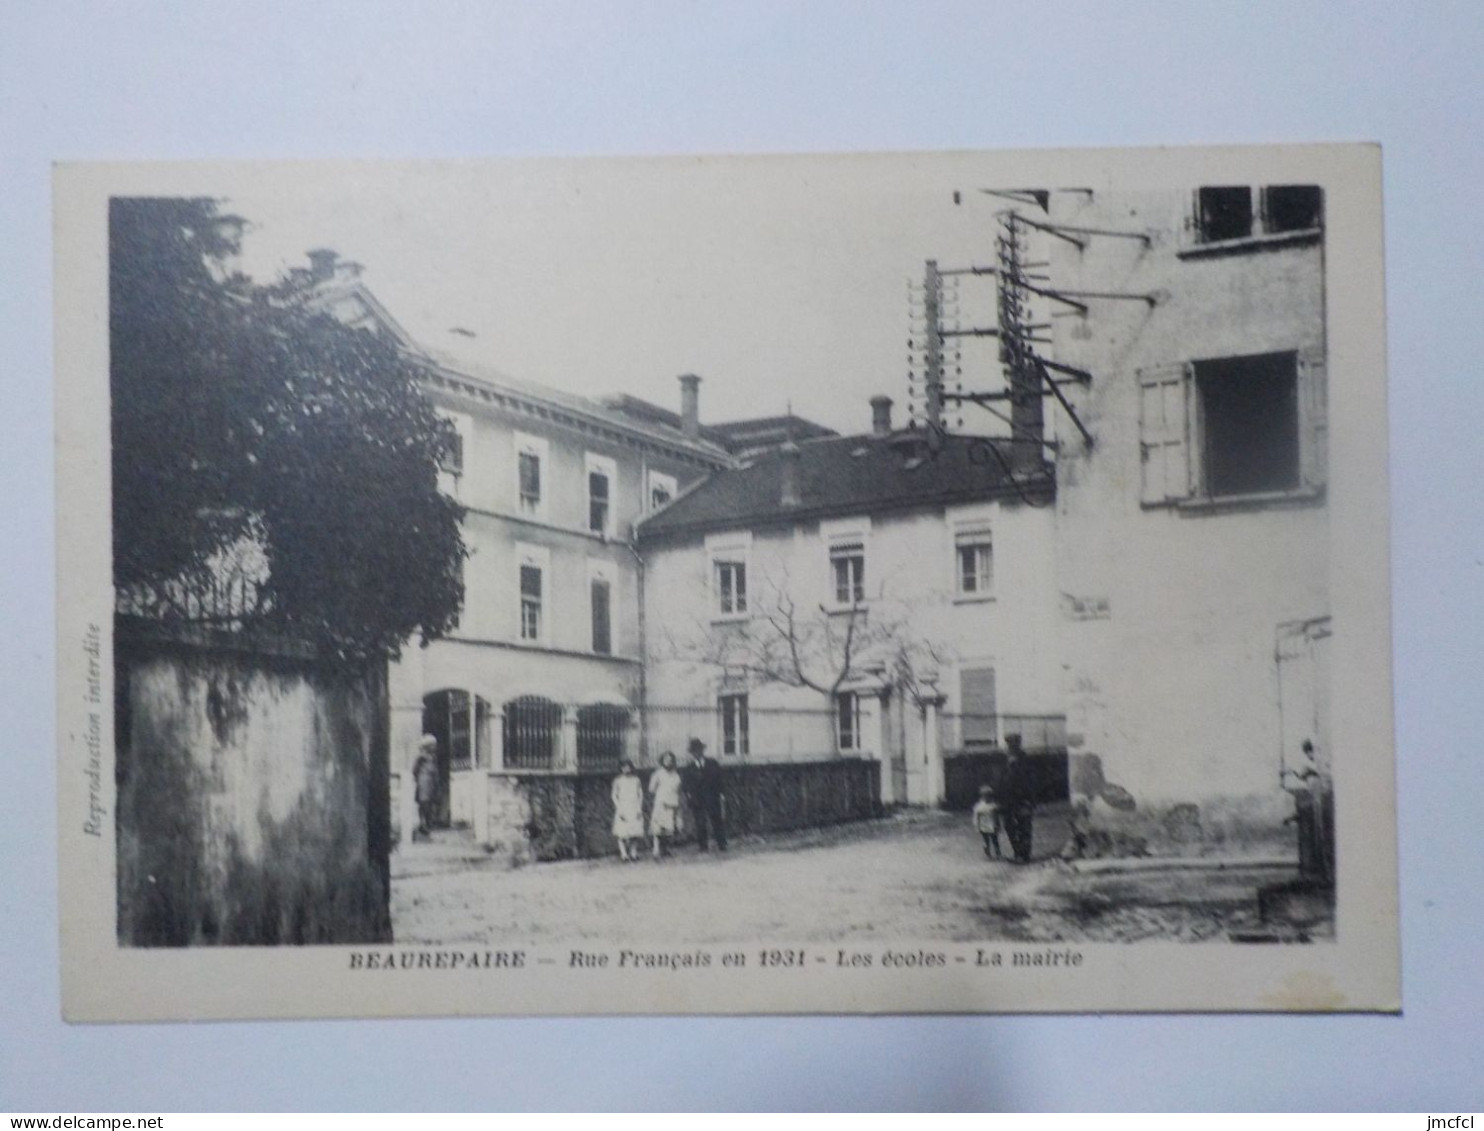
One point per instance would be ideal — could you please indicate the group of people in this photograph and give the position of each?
(698, 785)
(1009, 807)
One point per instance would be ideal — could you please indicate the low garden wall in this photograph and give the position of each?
(568, 815)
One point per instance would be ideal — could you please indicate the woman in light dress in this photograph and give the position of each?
(664, 803)
(628, 811)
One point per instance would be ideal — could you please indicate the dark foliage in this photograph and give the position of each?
(241, 412)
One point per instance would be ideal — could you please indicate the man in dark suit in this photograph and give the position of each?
(1017, 794)
(701, 783)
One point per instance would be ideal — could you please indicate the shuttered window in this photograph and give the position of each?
(602, 621)
(1164, 426)
(977, 705)
(1233, 427)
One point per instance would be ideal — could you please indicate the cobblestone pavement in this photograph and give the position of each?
(919, 876)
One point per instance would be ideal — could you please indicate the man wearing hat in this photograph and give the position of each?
(425, 782)
(701, 783)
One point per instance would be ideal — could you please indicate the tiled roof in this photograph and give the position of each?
(850, 475)
(734, 435)
(765, 430)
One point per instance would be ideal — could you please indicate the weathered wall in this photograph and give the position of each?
(252, 798)
(1169, 613)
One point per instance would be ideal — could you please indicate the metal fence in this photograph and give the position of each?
(542, 734)
(218, 599)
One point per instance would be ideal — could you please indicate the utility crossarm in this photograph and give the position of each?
(1081, 376)
(1070, 298)
(975, 332)
(1149, 297)
(1065, 404)
(1068, 232)
(1019, 432)
(1055, 296)
(986, 398)
(1039, 197)
(967, 271)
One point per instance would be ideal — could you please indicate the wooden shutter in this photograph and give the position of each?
(1164, 434)
(977, 705)
(602, 628)
(1313, 399)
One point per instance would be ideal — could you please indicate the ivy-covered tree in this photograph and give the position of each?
(242, 412)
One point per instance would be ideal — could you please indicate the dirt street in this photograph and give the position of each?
(918, 875)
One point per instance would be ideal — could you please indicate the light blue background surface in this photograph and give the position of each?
(273, 80)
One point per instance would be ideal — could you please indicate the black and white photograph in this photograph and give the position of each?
(854, 583)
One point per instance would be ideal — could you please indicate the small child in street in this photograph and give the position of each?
(987, 822)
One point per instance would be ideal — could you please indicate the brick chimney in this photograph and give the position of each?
(1027, 419)
(881, 415)
(788, 474)
(690, 405)
(322, 264)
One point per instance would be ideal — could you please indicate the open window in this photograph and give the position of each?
(1232, 428)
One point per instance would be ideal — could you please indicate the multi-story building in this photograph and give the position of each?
(1155, 600)
(834, 597)
(1191, 542)
(544, 670)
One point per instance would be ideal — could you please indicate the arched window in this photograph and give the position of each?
(600, 736)
(460, 723)
(532, 727)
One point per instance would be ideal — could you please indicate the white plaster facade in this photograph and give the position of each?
(1174, 584)
(912, 597)
(543, 536)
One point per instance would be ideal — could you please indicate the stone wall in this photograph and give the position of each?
(252, 795)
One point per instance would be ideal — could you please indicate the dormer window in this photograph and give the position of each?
(662, 489)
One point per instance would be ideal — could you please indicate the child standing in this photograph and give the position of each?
(987, 822)
(628, 812)
(664, 803)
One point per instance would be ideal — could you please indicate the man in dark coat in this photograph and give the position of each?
(701, 783)
(1017, 794)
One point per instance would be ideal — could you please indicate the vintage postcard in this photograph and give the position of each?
(859, 583)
